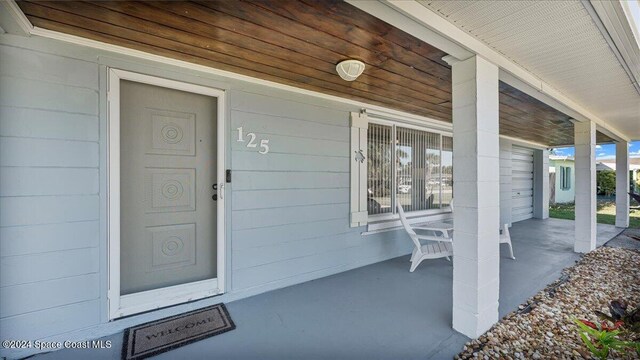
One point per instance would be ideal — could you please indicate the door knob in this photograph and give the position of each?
(215, 186)
(214, 197)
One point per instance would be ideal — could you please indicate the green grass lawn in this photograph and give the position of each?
(606, 213)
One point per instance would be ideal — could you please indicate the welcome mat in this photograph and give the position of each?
(169, 333)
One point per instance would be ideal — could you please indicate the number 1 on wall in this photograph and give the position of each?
(240, 135)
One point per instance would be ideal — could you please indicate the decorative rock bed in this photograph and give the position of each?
(543, 327)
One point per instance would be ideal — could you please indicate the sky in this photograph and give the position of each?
(606, 151)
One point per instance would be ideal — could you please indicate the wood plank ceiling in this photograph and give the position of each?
(297, 43)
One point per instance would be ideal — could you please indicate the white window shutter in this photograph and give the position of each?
(359, 126)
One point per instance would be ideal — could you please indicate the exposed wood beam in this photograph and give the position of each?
(296, 46)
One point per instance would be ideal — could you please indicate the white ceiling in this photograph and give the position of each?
(557, 41)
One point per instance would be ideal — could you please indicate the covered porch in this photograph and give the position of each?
(380, 311)
(299, 212)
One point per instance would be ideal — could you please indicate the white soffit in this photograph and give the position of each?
(557, 41)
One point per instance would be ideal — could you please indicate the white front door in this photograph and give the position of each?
(169, 192)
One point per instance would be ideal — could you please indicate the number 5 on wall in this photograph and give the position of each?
(264, 146)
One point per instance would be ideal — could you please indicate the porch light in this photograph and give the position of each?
(349, 70)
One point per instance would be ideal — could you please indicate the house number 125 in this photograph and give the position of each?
(264, 143)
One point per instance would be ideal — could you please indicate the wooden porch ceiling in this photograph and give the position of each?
(297, 43)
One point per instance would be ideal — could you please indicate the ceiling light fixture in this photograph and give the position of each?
(349, 70)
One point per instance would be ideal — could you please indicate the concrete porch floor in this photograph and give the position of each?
(380, 311)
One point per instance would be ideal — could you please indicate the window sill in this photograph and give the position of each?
(376, 226)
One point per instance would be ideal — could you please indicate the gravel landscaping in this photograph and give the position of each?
(544, 327)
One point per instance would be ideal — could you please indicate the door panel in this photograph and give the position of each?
(168, 167)
(521, 184)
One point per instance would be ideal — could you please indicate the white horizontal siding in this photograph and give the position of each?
(254, 161)
(22, 269)
(35, 239)
(319, 111)
(20, 299)
(259, 199)
(15, 151)
(289, 126)
(49, 194)
(358, 249)
(246, 258)
(27, 181)
(35, 94)
(290, 208)
(260, 237)
(47, 124)
(249, 219)
(35, 65)
(271, 180)
(35, 210)
(56, 320)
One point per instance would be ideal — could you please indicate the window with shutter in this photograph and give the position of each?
(565, 178)
(398, 162)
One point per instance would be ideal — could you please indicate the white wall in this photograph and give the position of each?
(288, 214)
(49, 194)
(564, 196)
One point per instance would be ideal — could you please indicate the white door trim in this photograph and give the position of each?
(123, 305)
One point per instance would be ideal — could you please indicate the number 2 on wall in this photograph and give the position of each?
(264, 143)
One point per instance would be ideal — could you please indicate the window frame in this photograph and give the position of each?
(565, 178)
(393, 215)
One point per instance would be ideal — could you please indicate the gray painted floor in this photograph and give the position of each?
(379, 311)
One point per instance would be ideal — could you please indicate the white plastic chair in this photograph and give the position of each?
(444, 232)
(505, 238)
(505, 235)
(439, 243)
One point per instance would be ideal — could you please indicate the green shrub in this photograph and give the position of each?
(606, 181)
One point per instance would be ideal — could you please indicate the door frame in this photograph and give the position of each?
(124, 305)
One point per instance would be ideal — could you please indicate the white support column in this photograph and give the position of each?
(541, 184)
(585, 178)
(622, 184)
(476, 187)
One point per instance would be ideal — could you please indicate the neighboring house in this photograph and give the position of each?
(561, 179)
(562, 176)
(152, 155)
